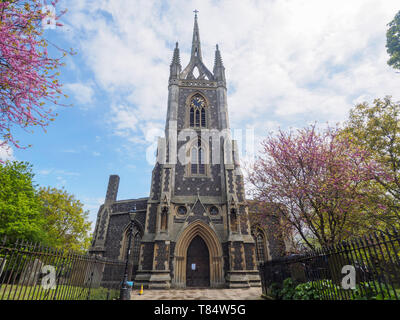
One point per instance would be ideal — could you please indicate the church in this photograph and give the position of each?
(194, 229)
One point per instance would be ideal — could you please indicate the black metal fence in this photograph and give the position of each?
(374, 261)
(30, 271)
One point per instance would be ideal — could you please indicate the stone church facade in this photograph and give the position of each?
(193, 230)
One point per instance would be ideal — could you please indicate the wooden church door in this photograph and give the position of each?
(197, 264)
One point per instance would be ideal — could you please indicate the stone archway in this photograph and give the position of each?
(198, 228)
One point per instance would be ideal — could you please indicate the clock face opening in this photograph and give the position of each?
(197, 102)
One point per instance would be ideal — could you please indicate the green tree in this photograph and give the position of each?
(66, 221)
(376, 128)
(20, 207)
(393, 42)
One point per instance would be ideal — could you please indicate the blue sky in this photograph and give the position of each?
(288, 63)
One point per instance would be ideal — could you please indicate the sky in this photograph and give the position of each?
(288, 63)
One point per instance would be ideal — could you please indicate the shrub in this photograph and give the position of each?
(306, 291)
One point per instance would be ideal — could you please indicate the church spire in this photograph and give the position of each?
(196, 49)
(196, 64)
(219, 69)
(175, 67)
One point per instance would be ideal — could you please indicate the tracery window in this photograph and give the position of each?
(197, 114)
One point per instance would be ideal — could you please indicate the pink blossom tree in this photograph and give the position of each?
(317, 182)
(28, 76)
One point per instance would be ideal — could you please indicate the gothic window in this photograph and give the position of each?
(197, 114)
(260, 247)
(197, 159)
(164, 219)
(234, 223)
(260, 241)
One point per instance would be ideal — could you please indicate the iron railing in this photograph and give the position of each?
(374, 260)
(31, 271)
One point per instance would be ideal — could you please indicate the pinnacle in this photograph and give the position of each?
(176, 58)
(218, 59)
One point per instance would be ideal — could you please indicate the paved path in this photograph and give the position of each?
(199, 294)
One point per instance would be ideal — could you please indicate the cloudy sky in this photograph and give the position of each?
(288, 63)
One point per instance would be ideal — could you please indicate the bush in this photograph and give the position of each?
(306, 291)
(292, 291)
(288, 290)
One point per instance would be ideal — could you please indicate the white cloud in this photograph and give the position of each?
(83, 93)
(6, 152)
(124, 120)
(287, 62)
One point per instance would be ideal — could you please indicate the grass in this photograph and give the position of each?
(62, 292)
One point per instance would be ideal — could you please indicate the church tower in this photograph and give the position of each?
(196, 230)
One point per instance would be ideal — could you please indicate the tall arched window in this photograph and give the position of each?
(197, 112)
(259, 239)
(197, 159)
(164, 219)
(234, 222)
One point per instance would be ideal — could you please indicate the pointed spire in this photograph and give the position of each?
(176, 59)
(175, 67)
(218, 60)
(196, 62)
(196, 49)
(219, 69)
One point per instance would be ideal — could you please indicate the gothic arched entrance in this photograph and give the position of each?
(184, 251)
(197, 264)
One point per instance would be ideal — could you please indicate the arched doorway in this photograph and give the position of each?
(209, 237)
(198, 264)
